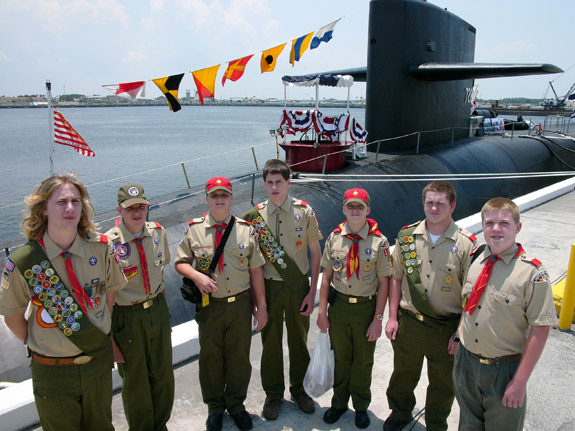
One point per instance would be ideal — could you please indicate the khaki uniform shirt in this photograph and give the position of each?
(441, 267)
(240, 253)
(295, 228)
(95, 267)
(517, 296)
(373, 261)
(155, 244)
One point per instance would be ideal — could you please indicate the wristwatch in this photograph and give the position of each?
(379, 317)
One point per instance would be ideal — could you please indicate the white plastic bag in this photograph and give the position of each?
(319, 375)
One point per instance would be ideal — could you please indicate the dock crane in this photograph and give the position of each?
(559, 102)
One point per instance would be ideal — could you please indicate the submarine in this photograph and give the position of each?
(420, 69)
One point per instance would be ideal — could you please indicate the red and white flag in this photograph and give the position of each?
(133, 90)
(64, 134)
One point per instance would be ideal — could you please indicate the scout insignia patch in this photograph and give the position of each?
(337, 265)
(204, 263)
(122, 250)
(541, 276)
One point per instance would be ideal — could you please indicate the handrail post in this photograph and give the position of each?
(452, 135)
(186, 175)
(418, 138)
(512, 129)
(253, 188)
(377, 152)
(568, 303)
(255, 160)
(324, 164)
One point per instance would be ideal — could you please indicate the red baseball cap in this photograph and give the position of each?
(218, 183)
(356, 195)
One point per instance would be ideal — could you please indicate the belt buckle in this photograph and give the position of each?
(486, 361)
(419, 316)
(231, 299)
(352, 300)
(82, 360)
(148, 303)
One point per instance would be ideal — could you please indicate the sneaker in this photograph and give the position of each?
(304, 402)
(333, 414)
(243, 420)
(361, 419)
(393, 423)
(214, 422)
(271, 409)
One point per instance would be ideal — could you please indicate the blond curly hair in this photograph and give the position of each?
(35, 223)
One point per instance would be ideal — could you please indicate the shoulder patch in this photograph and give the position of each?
(541, 276)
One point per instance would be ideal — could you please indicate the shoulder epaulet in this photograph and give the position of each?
(157, 225)
(98, 237)
(411, 225)
(339, 227)
(373, 230)
(196, 220)
(535, 262)
(468, 234)
(241, 220)
(299, 202)
(118, 221)
(261, 205)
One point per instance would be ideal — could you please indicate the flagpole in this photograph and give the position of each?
(50, 124)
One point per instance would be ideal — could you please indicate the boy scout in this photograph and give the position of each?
(140, 318)
(63, 273)
(429, 260)
(224, 318)
(504, 327)
(286, 227)
(356, 263)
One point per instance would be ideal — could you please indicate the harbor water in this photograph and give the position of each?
(140, 144)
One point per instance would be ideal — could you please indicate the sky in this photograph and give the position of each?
(81, 45)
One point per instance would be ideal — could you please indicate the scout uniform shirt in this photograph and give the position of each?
(295, 228)
(155, 244)
(518, 295)
(240, 253)
(97, 271)
(373, 260)
(441, 267)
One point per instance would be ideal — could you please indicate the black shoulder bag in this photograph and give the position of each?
(191, 292)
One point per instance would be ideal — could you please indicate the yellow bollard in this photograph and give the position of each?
(568, 304)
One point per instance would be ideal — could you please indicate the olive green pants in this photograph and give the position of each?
(283, 300)
(73, 397)
(348, 324)
(415, 340)
(479, 389)
(144, 337)
(225, 338)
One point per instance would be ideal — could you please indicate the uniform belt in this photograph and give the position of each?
(433, 323)
(354, 299)
(72, 360)
(139, 306)
(496, 361)
(232, 298)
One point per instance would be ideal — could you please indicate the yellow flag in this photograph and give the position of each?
(169, 85)
(269, 58)
(206, 81)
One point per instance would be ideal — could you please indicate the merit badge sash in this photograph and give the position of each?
(50, 292)
(406, 243)
(273, 251)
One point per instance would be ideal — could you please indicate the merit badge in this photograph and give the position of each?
(46, 284)
(93, 261)
(59, 286)
(36, 269)
(44, 264)
(454, 249)
(37, 289)
(368, 251)
(409, 270)
(67, 332)
(33, 282)
(75, 326)
(412, 247)
(204, 263)
(297, 217)
(49, 272)
(73, 307)
(410, 239)
(337, 265)
(41, 277)
(67, 299)
(28, 274)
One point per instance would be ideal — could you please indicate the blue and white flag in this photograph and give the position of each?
(324, 34)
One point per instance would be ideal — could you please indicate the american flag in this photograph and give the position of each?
(65, 134)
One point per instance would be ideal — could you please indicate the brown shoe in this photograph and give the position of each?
(304, 402)
(271, 409)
